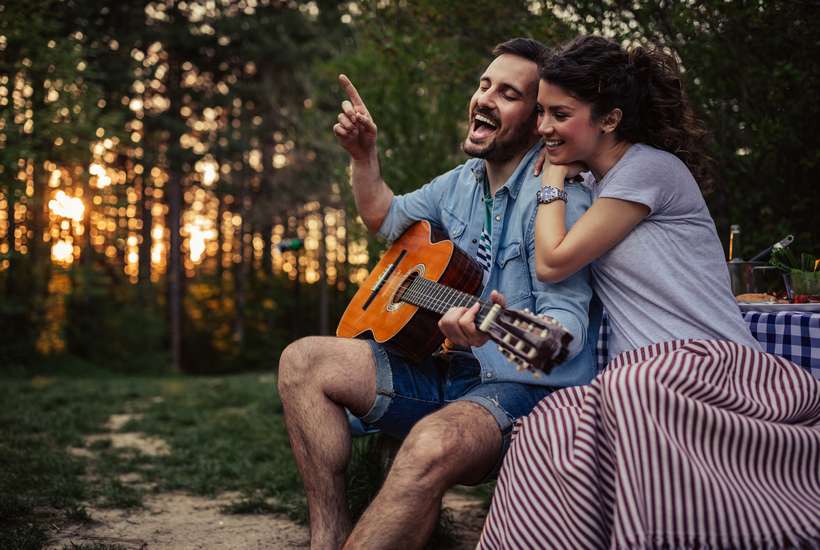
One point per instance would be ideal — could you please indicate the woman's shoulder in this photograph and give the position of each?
(645, 167)
(645, 157)
(650, 176)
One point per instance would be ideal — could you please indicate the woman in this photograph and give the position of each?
(692, 436)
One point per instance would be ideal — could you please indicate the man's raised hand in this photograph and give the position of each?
(355, 130)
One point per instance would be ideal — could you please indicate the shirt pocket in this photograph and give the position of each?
(513, 274)
(453, 224)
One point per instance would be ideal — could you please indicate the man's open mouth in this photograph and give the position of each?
(483, 126)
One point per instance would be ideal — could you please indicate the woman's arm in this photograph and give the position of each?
(560, 253)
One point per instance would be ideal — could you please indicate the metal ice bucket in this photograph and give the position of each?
(755, 277)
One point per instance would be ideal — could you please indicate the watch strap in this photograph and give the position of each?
(548, 194)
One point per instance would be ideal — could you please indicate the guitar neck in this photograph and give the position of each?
(439, 298)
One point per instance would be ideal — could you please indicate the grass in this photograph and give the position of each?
(224, 433)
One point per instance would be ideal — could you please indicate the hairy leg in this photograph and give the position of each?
(458, 444)
(318, 377)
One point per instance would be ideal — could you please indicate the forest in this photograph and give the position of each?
(172, 198)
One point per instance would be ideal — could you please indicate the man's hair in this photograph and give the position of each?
(523, 47)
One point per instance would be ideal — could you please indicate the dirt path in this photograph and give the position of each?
(179, 521)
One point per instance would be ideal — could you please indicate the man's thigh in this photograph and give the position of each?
(504, 403)
(462, 441)
(405, 391)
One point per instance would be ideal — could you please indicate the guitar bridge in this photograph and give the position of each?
(383, 279)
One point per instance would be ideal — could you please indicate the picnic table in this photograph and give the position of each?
(794, 335)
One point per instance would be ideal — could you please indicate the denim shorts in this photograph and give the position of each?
(406, 392)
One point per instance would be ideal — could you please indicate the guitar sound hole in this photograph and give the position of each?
(405, 284)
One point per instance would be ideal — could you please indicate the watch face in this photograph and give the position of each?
(549, 194)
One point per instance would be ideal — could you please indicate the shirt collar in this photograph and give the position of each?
(519, 175)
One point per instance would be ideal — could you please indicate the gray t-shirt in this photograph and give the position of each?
(668, 278)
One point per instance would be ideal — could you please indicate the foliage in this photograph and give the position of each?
(102, 314)
(416, 65)
(750, 68)
(221, 82)
(787, 260)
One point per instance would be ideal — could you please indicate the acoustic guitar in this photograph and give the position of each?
(419, 278)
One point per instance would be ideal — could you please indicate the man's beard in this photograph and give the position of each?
(500, 150)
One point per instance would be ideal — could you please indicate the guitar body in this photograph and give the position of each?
(375, 312)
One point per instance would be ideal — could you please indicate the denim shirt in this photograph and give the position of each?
(453, 202)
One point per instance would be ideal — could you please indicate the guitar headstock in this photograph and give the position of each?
(529, 341)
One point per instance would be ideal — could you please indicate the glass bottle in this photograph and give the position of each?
(734, 241)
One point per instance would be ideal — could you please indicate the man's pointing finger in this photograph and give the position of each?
(351, 91)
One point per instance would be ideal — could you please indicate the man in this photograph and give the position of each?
(456, 419)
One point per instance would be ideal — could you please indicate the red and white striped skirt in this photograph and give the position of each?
(696, 444)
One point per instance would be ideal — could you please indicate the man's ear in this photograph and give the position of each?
(611, 120)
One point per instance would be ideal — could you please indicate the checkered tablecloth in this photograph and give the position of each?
(791, 334)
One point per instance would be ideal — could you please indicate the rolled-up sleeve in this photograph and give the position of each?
(568, 301)
(422, 204)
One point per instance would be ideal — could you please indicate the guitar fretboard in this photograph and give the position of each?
(439, 298)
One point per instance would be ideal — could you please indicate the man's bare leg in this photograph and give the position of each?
(318, 377)
(458, 444)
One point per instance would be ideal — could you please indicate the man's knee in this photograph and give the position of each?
(342, 369)
(294, 364)
(440, 452)
(421, 460)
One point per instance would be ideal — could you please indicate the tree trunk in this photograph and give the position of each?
(144, 267)
(267, 255)
(241, 269)
(296, 310)
(324, 314)
(173, 192)
(39, 251)
(268, 182)
(87, 251)
(220, 243)
(11, 241)
(346, 265)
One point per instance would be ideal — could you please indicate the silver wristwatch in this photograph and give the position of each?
(548, 194)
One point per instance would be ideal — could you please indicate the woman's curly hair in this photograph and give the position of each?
(645, 84)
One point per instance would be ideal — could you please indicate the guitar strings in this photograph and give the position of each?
(443, 297)
(448, 297)
(416, 289)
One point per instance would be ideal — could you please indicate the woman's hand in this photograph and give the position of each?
(540, 161)
(573, 170)
(459, 323)
(555, 174)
